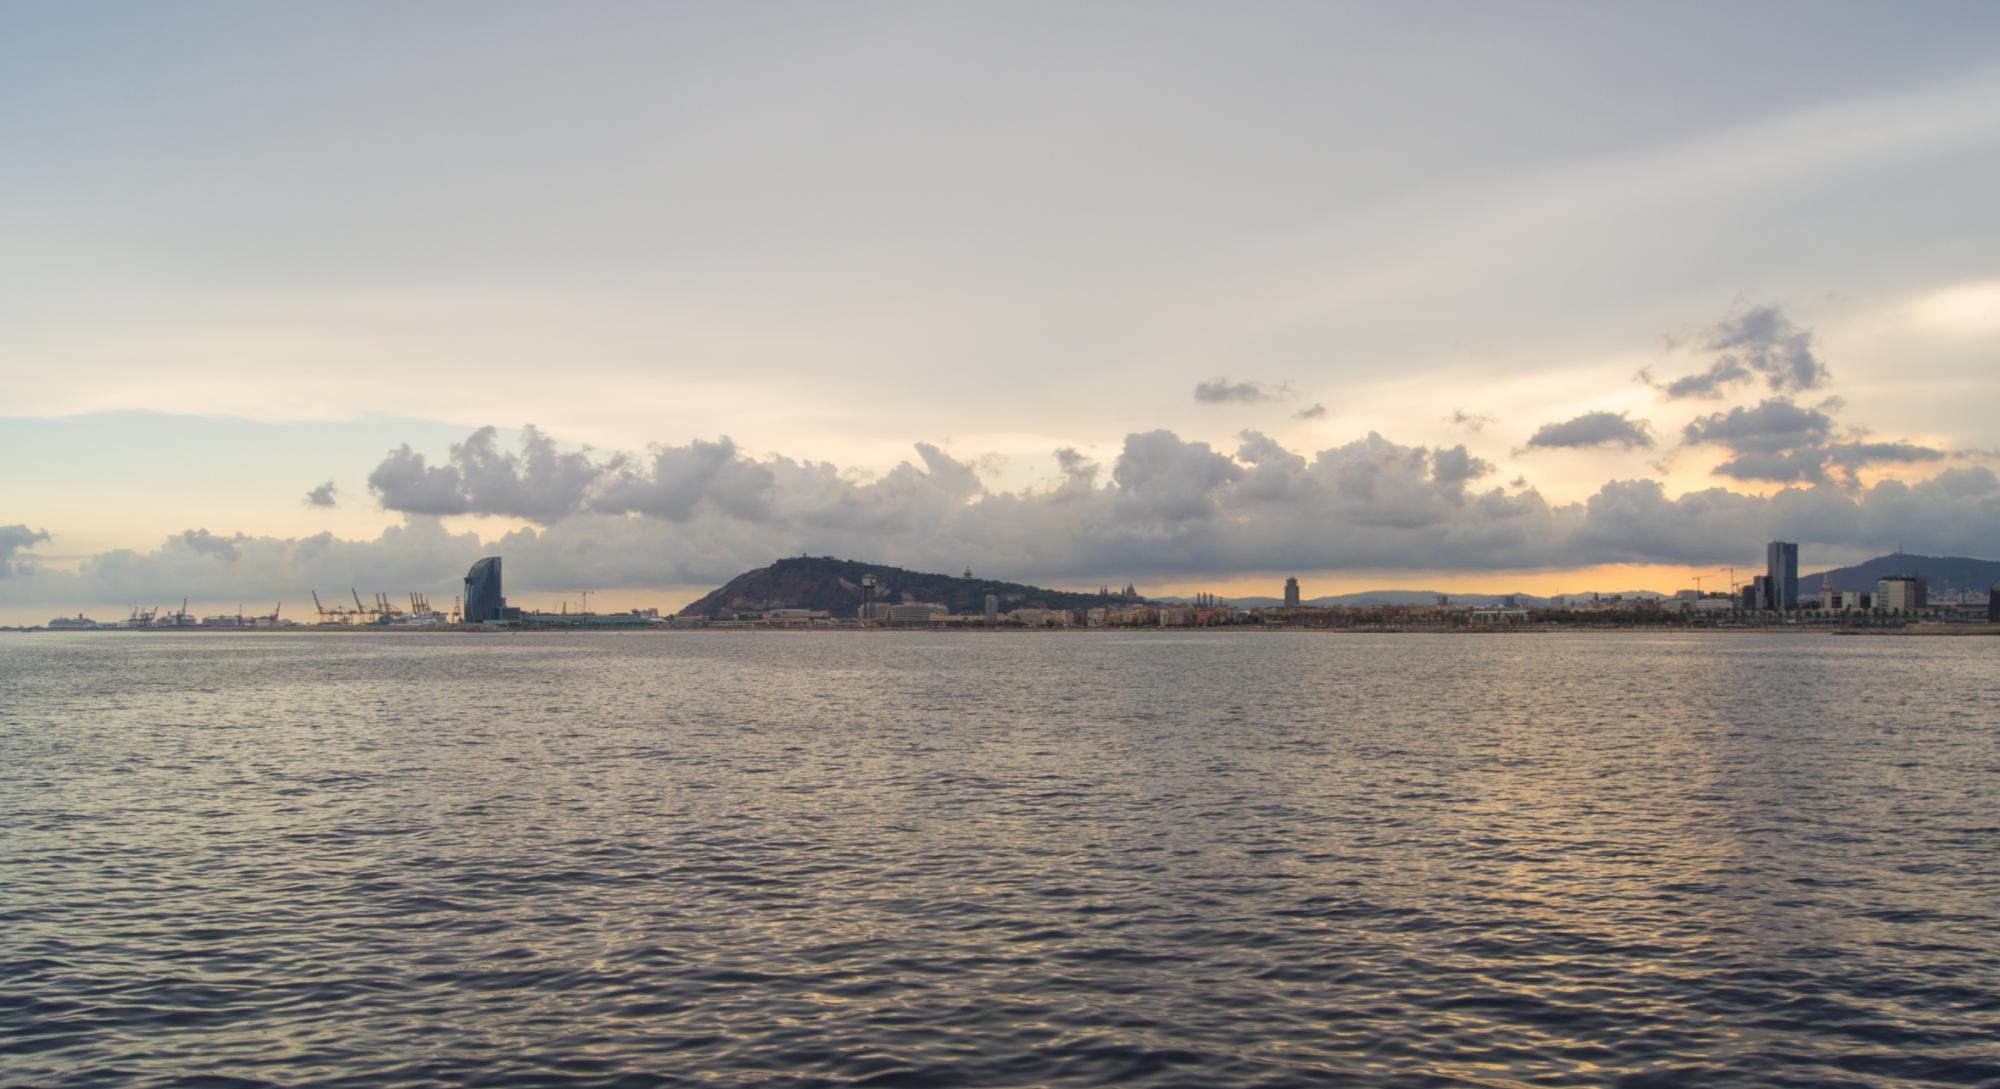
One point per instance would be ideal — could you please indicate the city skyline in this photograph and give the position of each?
(1036, 294)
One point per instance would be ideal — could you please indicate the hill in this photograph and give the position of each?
(1942, 572)
(807, 582)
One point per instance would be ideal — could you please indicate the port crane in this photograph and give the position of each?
(334, 615)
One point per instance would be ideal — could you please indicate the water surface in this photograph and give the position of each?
(998, 860)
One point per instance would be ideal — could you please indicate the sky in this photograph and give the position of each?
(1518, 297)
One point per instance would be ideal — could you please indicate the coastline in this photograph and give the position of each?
(1920, 630)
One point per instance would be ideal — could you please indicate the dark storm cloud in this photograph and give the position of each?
(1220, 390)
(1758, 341)
(14, 540)
(1593, 429)
(322, 496)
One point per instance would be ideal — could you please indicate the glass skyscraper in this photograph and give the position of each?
(482, 592)
(1781, 568)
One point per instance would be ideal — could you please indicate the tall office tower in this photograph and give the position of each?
(1781, 567)
(1761, 593)
(1291, 593)
(992, 608)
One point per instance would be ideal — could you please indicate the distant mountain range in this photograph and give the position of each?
(809, 582)
(1941, 572)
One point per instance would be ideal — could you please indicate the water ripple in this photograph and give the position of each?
(941, 861)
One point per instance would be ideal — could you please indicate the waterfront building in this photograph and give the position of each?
(580, 620)
(484, 602)
(1291, 593)
(1992, 605)
(1901, 594)
(1759, 599)
(793, 618)
(992, 609)
(914, 613)
(1041, 618)
(1781, 572)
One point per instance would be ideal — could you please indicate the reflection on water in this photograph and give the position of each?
(971, 859)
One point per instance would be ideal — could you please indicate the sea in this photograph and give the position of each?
(998, 859)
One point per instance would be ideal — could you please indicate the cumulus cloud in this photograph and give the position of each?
(1079, 472)
(675, 482)
(1220, 390)
(1169, 503)
(1457, 465)
(540, 483)
(419, 555)
(14, 540)
(322, 496)
(1593, 429)
(1311, 412)
(1164, 506)
(1752, 342)
(203, 543)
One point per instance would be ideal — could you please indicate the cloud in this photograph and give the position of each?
(419, 555)
(15, 539)
(1470, 421)
(1593, 429)
(1079, 472)
(1220, 390)
(1163, 507)
(676, 482)
(1311, 412)
(322, 496)
(1162, 480)
(1849, 457)
(1780, 442)
(1457, 465)
(1772, 426)
(540, 483)
(203, 543)
(1755, 341)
